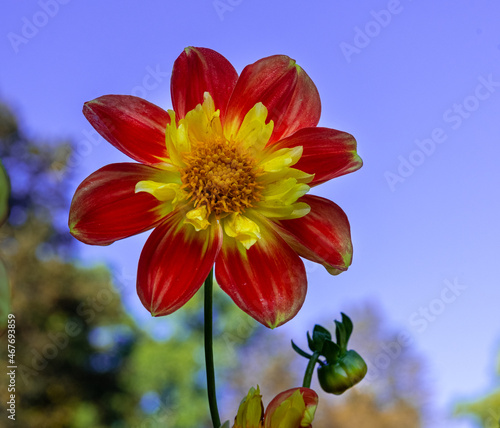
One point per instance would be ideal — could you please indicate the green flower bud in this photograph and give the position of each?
(346, 372)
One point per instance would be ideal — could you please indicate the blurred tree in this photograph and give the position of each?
(56, 304)
(487, 409)
(4, 194)
(34, 170)
(4, 281)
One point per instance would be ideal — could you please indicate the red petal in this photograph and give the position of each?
(328, 153)
(268, 281)
(323, 235)
(174, 263)
(310, 399)
(286, 90)
(199, 70)
(106, 208)
(131, 124)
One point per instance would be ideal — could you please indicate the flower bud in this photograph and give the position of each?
(294, 408)
(346, 372)
(251, 410)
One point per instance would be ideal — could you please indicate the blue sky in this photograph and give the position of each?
(417, 84)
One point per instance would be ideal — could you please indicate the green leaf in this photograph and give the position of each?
(300, 351)
(310, 342)
(320, 334)
(4, 296)
(340, 335)
(331, 351)
(4, 194)
(319, 330)
(347, 325)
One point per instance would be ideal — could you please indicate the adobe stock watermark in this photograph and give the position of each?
(165, 416)
(31, 26)
(363, 35)
(243, 329)
(493, 420)
(419, 321)
(152, 80)
(223, 6)
(453, 117)
(389, 352)
(57, 341)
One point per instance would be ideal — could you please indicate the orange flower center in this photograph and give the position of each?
(221, 178)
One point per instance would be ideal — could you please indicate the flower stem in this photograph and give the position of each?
(310, 370)
(209, 352)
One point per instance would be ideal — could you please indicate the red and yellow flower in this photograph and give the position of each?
(223, 179)
(294, 408)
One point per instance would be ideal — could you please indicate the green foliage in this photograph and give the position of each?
(485, 410)
(4, 281)
(4, 194)
(4, 296)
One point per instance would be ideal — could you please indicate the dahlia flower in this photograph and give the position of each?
(223, 179)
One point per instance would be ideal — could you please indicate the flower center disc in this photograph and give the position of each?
(221, 178)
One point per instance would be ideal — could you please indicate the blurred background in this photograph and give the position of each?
(417, 84)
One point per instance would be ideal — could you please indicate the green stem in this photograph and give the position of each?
(209, 352)
(310, 370)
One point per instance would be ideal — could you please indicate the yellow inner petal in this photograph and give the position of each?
(254, 133)
(250, 411)
(169, 192)
(176, 140)
(162, 191)
(289, 413)
(244, 230)
(198, 217)
(275, 161)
